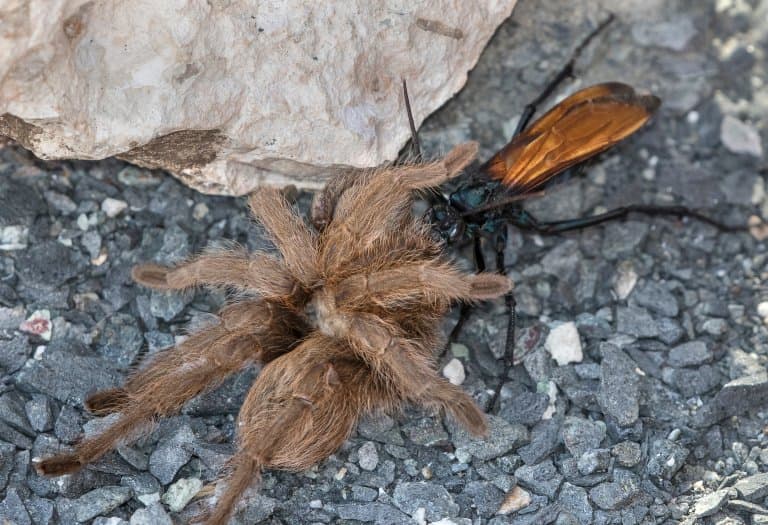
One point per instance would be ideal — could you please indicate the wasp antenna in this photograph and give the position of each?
(415, 144)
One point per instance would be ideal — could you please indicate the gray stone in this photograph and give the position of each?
(60, 202)
(616, 494)
(120, 341)
(665, 458)
(542, 478)
(619, 386)
(167, 305)
(596, 460)
(381, 428)
(670, 331)
(141, 484)
(68, 426)
(574, 500)
(368, 457)
(483, 497)
(364, 493)
(7, 454)
(655, 297)
(19, 203)
(14, 353)
(689, 354)
(12, 413)
(11, 435)
(545, 438)
(692, 382)
(709, 504)
(52, 375)
(154, 514)
(502, 438)
(40, 510)
(753, 488)
(525, 408)
(735, 397)
(258, 508)
(673, 33)
(99, 501)
(436, 501)
(636, 321)
(39, 414)
(627, 453)
(580, 435)
(49, 264)
(379, 513)
(621, 238)
(171, 454)
(12, 509)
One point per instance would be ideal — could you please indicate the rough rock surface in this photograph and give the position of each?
(661, 422)
(230, 95)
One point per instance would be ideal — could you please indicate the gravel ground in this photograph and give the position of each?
(655, 413)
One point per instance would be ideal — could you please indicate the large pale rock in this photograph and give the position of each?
(230, 94)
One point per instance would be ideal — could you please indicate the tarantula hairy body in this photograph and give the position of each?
(345, 323)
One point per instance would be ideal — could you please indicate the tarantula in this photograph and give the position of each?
(345, 323)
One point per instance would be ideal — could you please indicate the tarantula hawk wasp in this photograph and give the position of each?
(586, 123)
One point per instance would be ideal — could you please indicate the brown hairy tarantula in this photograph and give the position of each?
(345, 323)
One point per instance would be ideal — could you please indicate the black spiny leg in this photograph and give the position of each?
(511, 304)
(477, 252)
(526, 221)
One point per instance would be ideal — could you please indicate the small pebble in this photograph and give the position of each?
(39, 324)
(740, 137)
(180, 493)
(564, 344)
(454, 372)
(368, 456)
(113, 207)
(13, 238)
(516, 499)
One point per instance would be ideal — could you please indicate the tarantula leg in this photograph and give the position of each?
(409, 367)
(247, 332)
(107, 401)
(300, 410)
(431, 280)
(258, 273)
(459, 405)
(290, 234)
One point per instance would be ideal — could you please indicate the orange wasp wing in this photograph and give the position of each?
(584, 124)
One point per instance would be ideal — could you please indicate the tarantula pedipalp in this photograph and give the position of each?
(346, 322)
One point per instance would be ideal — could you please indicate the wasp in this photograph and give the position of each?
(583, 125)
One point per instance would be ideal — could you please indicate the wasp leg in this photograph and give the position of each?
(465, 308)
(511, 304)
(527, 221)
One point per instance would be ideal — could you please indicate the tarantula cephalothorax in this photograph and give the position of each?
(345, 323)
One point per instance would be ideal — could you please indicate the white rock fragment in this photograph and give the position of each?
(516, 499)
(564, 345)
(199, 211)
(39, 324)
(454, 372)
(625, 280)
(13, 238)
(148, 499)
(231, 95)
(180, 493)
(113, 207)
(740, 137)
(762, 309)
